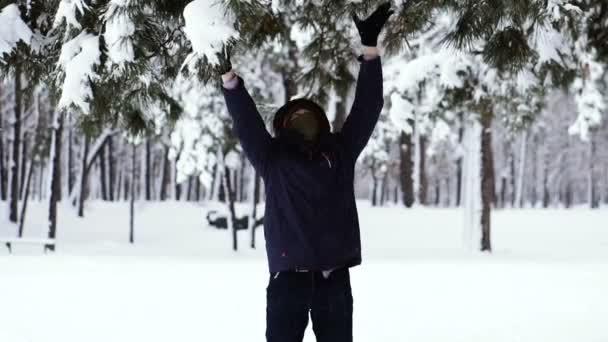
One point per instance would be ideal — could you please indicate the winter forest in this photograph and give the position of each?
(116, 142)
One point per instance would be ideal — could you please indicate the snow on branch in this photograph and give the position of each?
(209, 27)
(78, 59)
(67, 11)
(12, 30)
(119, 32)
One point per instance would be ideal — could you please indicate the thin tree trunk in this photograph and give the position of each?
(3, 184)
(340, 116)
(383, 189)
(148, 176)
(26, 196)
(437, 192)
(14, 184)
(407, 169)
(374, 190)
(512, 178)
(230, 200)
(102, 174)
(70, 173)
(487, 180)
(519, 193)
(54, 176)
(594, 198)
(165, 174)
(111, 169)
(424, 182)
(83, 176)
(256, 200)
(23, 163)
(459, 161)
(534, 182)
(189, 191)
(132, 196)
(546, 195)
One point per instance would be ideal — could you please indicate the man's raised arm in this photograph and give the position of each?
(369, 99)
(248, 124)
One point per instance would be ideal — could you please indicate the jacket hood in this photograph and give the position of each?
(295, 105)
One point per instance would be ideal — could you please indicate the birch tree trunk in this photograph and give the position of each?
(471, 186)
(519, 196)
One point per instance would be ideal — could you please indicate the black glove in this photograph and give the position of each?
(369, 29)
(224, 65)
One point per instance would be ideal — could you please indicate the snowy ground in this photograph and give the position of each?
(547, 280)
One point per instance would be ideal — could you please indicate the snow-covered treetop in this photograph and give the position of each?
(208, 26)
(12, 30)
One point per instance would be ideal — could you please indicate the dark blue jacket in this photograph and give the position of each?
(311, 219)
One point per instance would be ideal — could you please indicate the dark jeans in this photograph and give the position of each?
(290, 296)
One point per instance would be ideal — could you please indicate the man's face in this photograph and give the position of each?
(305, 123)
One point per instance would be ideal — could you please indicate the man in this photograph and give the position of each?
(311, 225)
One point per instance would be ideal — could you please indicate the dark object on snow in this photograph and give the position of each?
(221, 222)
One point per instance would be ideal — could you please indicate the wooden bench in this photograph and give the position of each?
(9, 241)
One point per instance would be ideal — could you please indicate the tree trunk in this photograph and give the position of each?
(534, 181)
(374, 190)
(256, 200)
(594, 198)
(512, 178)
(102, 174)
(383, 186)
(406, 169)
(546, 197)
(26, 196)
(148, 176)
(111, 170)
(83, 176)
(23, 163)
(230, 200)
(166, 175)
(54, 176)
(519, 193)
(487, 180)
(70, 166)
(437, 192)
(3, 184)
(189, 191)
(459, 161)
(340, 117)
(424, 182)
(132, 196)
(471, 186)
(14, 184)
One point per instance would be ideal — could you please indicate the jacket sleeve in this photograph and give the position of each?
(366, 108)
(248, 125)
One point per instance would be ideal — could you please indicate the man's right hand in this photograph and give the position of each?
(224, 65)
